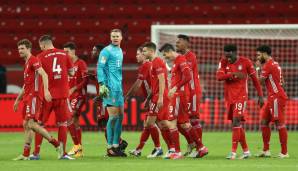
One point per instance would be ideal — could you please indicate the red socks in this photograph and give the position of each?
(266, 134)
(155, 135)
(62, 136)
(27, 148)
(144, 137)
(175, 139)
(38, 142)
(283, 138)
(73, 133)
(195, 123)
(166, 134)
(243, 140)
(54, 142)
(185, 134)
(194, 134)
(235, 138)
(79, 134)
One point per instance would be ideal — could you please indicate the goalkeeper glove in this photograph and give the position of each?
(104, 91)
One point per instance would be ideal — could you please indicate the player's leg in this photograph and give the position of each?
(266, 131)
(278, 111)
(75, 102)
(28, 136)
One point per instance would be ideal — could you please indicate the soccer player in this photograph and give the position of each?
(179, 96)
(274, 109)
(78, 95)
(234, 71)
(182, 46)
(32, 94)
(57, 64)
(109, 75)
(143, 80)
(158, 110)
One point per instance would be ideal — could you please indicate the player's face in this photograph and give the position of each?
(167, 55)
(116, 38)
(230, 56)
(70, 52)
(94, 52)
(261, 57)
(147, 52)
(140, 57)
(23, 51)
(42, 46)
(180, 45)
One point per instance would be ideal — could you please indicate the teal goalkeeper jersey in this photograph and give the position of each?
(109, 67)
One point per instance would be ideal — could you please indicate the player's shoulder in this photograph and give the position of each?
(245, 60)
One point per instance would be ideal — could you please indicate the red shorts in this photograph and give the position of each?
(61, 107)
(194, 100)
(274, 110)
(77, 105)
(162, 114)
(179, 108)
(236, 110)
(32, 108)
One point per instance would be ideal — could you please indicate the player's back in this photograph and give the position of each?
(273, 74)
(192, 62)
(57, 64)
(158, 67)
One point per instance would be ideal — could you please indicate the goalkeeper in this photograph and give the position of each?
(109, 76)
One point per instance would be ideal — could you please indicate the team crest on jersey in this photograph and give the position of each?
(103, 60)
(240, 67)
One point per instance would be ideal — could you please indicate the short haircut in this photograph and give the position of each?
(184, 37)
(150, 45)
(167, 48)
(116, 30)
(140, 48)
(264, 49)
(230, 48)
(45, 38)
(70, 45)
(99, 46)
(25, 42)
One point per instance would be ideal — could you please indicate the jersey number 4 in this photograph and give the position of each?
(56, 67)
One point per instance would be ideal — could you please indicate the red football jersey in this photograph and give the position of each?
(179, 65)
(236, 89)
(271, 71)
(158, 67)
(195, 78)
(79, 79)
(32, 81)
(144, 74)
(57, 64)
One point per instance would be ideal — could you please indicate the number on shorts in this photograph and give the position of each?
(188, 106)
(171, 108)
(238, 106)
(56, 68)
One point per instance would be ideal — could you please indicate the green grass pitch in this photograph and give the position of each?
(219, 144)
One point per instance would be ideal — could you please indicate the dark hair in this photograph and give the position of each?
(25, 42)
(45, 37)
(184, 37)
(99, 46)
(70, 45)
(264, 49)
(150, 45)
(230, 48)
(167, 47)
(140, 48)
(116, 30)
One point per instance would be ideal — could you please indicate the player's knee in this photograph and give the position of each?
(264, 122)
(30, 124)
(185, 125)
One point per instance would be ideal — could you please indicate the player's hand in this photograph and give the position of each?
(159, 103)
(47, 96)
(172, 92)
(104, 91)
(261, 101)
(238, 75)
(16, 105)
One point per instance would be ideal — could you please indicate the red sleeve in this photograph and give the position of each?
(159, 67)
(83, 70)
(69, 63)
(250, 68)
(221, 71)
(35, 63)
(256, 83)
(185, 70)
(141, 72)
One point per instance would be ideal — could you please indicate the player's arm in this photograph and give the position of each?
(45, 80)
(69, 65)
(221, 74)
(101, 64)
(84, 70)
(134, 88)
(186, 77)
(18, 99)
(253, 75)
(161, 85)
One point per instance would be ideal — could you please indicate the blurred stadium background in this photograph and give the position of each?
(88, 23)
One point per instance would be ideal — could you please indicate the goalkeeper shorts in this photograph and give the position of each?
(115, 98)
